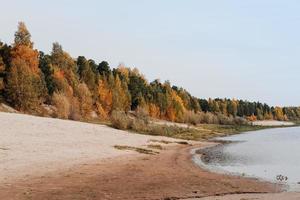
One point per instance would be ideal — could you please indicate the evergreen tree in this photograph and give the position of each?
(86, 73)
(103, 68)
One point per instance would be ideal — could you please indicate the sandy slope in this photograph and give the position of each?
(32, 145)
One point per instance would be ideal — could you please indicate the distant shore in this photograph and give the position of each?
(272, 123)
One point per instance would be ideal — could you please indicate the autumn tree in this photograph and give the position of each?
(121, 96)
(25, 86)
(22, 36)
(177, 107)
(64, 70)
(154, 110)
(278, 114)
(85, 100)
(104, 103)
(20, 86)
(185, 96)
(232, 108)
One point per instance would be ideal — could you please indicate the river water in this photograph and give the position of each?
(270, 154)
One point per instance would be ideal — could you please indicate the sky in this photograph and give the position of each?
(245, 49)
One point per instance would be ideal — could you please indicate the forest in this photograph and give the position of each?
(80, 88)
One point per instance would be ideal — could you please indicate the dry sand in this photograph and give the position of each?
(32, 145)
(45, 158)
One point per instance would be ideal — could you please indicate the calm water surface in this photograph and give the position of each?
(263, 154)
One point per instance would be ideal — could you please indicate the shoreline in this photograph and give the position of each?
(282, 191)
(136, 176)
(203, 155)
(46, 158)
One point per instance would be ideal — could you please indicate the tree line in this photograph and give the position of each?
(32, 81)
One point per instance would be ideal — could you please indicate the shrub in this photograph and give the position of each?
(142, 114)
(209, 118)
(191, 117)
(138, 125)
(240, 121)
(74, 110)
(62, 104)
(225, 120)
(120, 120)
(166, 130)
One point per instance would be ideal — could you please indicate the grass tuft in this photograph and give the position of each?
(137, 149)
(155, 146)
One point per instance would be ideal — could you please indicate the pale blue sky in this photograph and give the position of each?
(246, 49)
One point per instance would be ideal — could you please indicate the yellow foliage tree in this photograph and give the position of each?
(171, 114)
(124, 71)
(121, 97)
(104, 103)
(279, 114)
(85, 100)
(178, 106)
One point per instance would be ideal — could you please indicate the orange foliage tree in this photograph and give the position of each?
(25, 87)
(153, 110)
(104, 103)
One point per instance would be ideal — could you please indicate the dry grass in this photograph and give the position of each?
(170, 142)
(161, 141)
(137, 149)
(155, 146)
(122, 121)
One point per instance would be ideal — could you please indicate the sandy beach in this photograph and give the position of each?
(44, 158)
(32, 145)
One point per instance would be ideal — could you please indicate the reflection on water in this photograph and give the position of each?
(264, 154)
